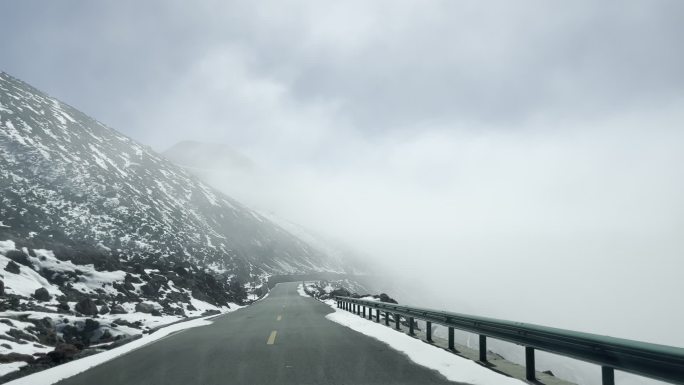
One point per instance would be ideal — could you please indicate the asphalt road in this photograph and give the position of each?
(283, 339)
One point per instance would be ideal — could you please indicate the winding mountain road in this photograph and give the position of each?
(283, 339)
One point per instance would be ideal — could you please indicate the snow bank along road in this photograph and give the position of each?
(283, 339)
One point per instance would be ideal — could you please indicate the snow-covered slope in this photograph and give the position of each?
(70, 184)
(101, 239)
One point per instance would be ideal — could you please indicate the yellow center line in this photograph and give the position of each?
(271, 338)
(279, 318)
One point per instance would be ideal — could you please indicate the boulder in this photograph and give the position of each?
(156, 313)
(129, 286)
(87, 307)
(117, 309)
(63, 352)
(15, 357)
(19, 257)
(90, 326)
(12, 267)
(2, 287)
(20, 334)
(144, 307)
(42, 294)
(386, 298)
(63, 307)
(149, 289)
(104, 309)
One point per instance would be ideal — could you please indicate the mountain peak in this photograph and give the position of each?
(70, 183)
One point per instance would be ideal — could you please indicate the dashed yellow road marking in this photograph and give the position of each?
(279, 318)
(271, 338)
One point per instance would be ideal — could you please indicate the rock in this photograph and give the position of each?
(63, 352)
(12, 267)
(19, 334)
(132, 279)
(129, 286)
(2, 287)
(6, 322)
(19, 257)
(210, 312)
(106, 335)
(156, 313)
(6, 346)
(90, 325)
(42, 294)
(104, 309)
(118, 309)
(550, 373)
(15, 357)
(341, 292)
(87, 307)
(63, 307)
(149, 289)
(144, 307)
(386, 298)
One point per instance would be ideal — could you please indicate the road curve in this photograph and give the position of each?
(283, 339)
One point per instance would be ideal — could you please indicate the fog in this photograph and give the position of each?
(515, 160)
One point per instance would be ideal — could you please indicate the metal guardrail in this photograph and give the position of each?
(660, 362)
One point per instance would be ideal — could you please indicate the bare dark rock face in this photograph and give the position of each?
(42, 294)
(63, 353)
(86, 306)
(63, 307)
(12, 267)
(385, 298)
(118, 309)
(144, 307)
(14, 357)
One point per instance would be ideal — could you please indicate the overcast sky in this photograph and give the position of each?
(519, 159)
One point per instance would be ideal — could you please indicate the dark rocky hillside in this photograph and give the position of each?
(72, 185)
(102, 240)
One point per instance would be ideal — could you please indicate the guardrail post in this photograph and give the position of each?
(483, 348)
(428, 330)
(530, 371)
(607, 375)
(377, 315)
(386, 318)
(364, 311)
(451, 339)
(397, 317)
(410, 320)
(370, 313)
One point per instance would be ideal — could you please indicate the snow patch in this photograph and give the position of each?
(451, 366)
(300, 290)
(58, 373)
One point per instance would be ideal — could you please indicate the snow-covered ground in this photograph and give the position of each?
(119, 308)
(58, 373)
(451, 366)
(300, 290)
